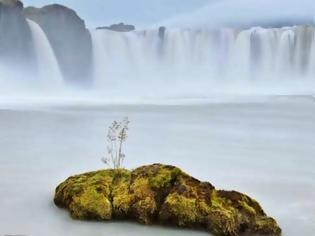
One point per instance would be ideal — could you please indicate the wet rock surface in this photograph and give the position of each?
(15, 37)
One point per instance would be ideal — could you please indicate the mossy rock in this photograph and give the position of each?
(165, 195)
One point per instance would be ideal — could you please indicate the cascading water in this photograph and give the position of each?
(206, 59)
(311, 68)
(47, 65)
(186, 62)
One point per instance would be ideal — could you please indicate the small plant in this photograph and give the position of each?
(116, 136)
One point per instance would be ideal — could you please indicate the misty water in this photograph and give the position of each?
(203, 62)
(194, 63)
(264, 148)
(231, 106)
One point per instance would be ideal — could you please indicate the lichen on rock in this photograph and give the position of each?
(165, 195)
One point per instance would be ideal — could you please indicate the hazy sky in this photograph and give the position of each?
(194, 13)
(139, 12)
(269, 13)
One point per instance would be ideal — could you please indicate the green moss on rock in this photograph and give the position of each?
(120, 196)
(91, 205)
(179, 210)
(162, 194)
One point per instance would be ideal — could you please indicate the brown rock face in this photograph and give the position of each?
(69, 38)
(162, 194)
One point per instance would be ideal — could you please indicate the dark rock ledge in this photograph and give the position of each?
(121, 27)
(164, 195)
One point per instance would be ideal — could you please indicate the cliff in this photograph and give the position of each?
(15, 37)
(69, 38)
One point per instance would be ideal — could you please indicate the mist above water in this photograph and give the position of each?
(205, 63)
(207, 60)
(175, 63)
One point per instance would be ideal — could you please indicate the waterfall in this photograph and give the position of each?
(311, 67)
(189, 62)
(240, 56)
(47, 64)
(205, 58)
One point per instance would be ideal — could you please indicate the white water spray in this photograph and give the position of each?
(47, 64)
(207, 59)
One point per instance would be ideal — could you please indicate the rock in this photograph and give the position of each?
(118, 27)
(162, 30)
(15, 37)
(69, 38)
(12, 3)
(162, 194)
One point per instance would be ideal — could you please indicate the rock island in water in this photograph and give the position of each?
(165, 195)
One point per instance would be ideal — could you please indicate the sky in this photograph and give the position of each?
(138, 12)
(191, 13)
(249, 13)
